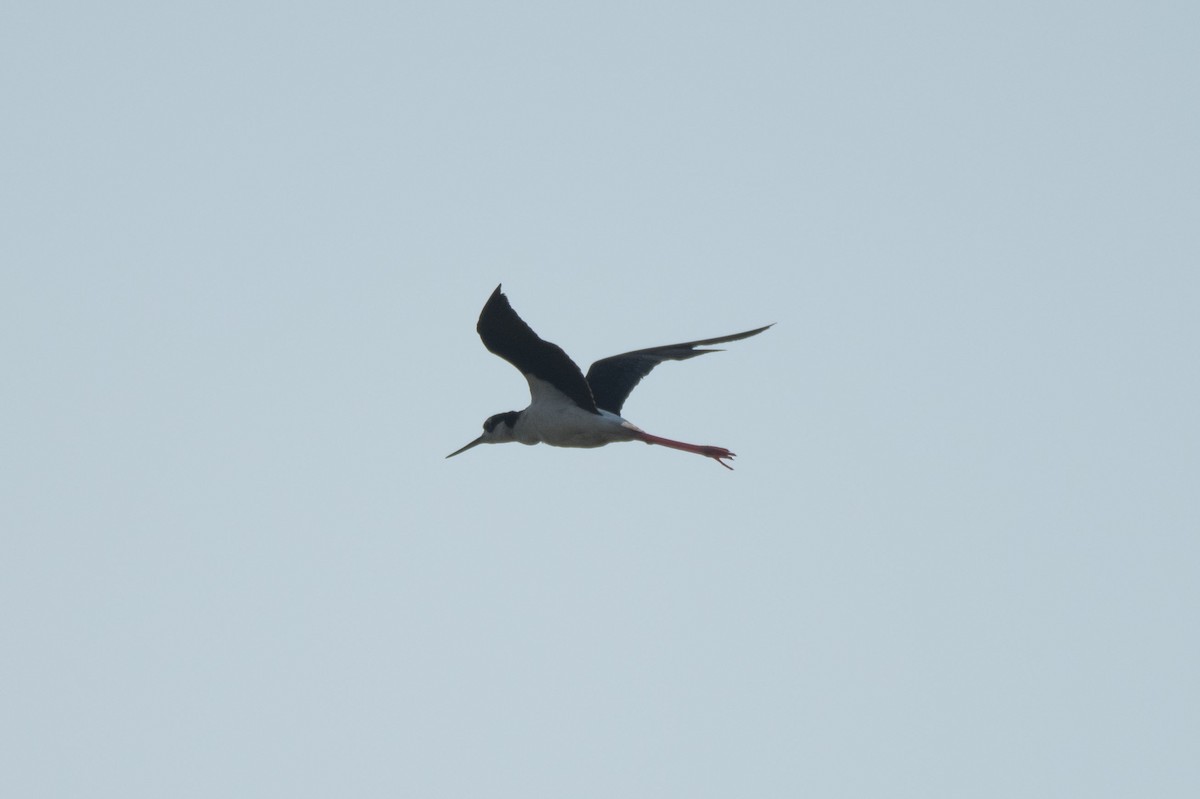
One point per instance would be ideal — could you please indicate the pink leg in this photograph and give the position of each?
(716, 453)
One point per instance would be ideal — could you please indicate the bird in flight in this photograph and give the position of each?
(568, 409)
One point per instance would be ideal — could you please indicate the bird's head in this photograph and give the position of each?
(497, 429)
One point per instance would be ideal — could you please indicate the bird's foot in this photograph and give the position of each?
(718, 454)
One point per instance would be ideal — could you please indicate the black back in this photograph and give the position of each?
(611, 379)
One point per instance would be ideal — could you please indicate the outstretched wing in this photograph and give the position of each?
(612, 379)
(507, 335)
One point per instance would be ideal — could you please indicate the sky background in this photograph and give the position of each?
(243, 247)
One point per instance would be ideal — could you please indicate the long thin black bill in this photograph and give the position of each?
(467, 447)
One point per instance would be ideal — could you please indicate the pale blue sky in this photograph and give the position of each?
(242, 251)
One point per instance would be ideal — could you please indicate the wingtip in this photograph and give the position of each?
(497, 297)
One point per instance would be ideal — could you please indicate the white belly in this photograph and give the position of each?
(563, 425)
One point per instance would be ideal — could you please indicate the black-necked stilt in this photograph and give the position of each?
(568, 409)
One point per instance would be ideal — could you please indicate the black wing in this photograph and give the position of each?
(507, 335)
(612, 379)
